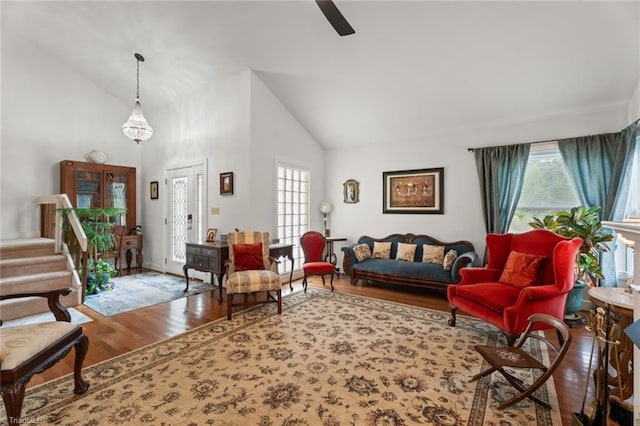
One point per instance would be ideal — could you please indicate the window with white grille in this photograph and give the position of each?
(293, 209)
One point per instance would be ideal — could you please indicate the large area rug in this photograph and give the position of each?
(141, 290)
(329, 359)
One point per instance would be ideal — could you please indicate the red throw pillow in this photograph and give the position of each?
(248, 257)
(522, 269)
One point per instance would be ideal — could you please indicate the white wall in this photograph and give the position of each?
(277, 136)
(237, 125)
(49, 114)
(211, 126)
(462, 219)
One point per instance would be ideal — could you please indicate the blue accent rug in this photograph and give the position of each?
(141, 290)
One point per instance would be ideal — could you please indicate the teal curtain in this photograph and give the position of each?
(501, 173)
(599, 167)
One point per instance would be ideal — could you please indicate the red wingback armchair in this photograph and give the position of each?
(526, 274)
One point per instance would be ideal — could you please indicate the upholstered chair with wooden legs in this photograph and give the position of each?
(527, 273)
(249, 268)
(30, 349)
(507, 360)
(313, 244)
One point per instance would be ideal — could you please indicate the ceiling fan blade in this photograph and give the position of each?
(335, 18)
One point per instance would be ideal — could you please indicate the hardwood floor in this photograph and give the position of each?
(112, 336)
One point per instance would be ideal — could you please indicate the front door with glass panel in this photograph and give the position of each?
(186, 188)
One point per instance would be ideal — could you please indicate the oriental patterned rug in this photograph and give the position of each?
(329, 359)
(137, 291)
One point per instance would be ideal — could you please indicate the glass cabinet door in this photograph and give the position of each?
(116, 194)
(88, 189)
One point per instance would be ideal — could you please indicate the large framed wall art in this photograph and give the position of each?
(413, 191)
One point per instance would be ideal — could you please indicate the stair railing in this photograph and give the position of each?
(51, 226)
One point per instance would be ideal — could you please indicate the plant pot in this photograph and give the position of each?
(574, 300)
(97, 282)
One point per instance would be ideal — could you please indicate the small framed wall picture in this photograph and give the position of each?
(351, 191)
(153, 190)
(226, 183)
(212, 233)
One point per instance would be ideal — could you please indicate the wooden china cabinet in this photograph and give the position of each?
(101, 185)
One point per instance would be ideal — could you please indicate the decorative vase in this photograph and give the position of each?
(574, 301)
(99, 157)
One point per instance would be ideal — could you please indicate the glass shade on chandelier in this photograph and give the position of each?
(136, 127)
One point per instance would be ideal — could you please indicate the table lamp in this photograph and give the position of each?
(325, 208)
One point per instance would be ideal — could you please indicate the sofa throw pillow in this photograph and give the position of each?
(449, 258)
(248, 257)
(522, 269)
(432, 254)
(406, 252)
(362, 252)
(381, 250)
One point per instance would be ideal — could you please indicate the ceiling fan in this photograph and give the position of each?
(335, 18)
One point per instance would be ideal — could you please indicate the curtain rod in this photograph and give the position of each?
(532, 143)
(550, 140)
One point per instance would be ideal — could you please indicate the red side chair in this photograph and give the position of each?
(313, 244)
(528, 273)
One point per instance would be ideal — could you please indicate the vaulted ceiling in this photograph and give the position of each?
(413, 69)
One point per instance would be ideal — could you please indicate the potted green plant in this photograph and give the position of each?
(97, 227)
(99, 278)
(582, 222)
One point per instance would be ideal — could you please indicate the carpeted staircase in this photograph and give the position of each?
(31, 264)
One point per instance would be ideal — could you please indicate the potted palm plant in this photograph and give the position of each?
(584, 223)
(97, 227)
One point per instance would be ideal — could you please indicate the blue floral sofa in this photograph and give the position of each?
(407, 259)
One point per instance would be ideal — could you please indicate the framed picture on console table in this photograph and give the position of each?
(413, 191)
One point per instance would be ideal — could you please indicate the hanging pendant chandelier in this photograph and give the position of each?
(136, 126)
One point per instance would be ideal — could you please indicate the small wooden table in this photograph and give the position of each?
(620, 303)
(330, 254)
(278, 251)
(127, 243)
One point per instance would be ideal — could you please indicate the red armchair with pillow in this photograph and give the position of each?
(526, 274)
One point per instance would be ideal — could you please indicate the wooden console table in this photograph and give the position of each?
(207, 257)
(212, 257)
